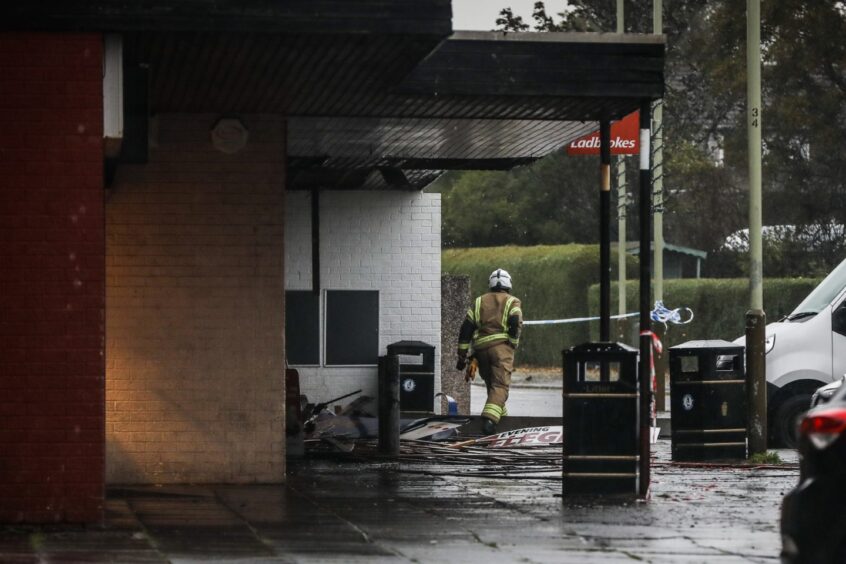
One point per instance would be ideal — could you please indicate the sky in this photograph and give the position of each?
(482, 14)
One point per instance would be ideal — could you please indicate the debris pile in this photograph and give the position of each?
(439, 458)
(480, 460)
(438, 445)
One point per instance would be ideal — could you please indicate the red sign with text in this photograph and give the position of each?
(624, 138)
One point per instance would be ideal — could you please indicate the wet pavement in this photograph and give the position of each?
(534, 392)
(333, 511)
(523, 400)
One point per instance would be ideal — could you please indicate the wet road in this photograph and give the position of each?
(538, 402)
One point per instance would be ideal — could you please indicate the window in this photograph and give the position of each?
(302, 327)
(838, 320)
(352, 327)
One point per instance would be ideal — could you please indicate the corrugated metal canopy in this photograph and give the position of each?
(471, 75)
(409, 153)
(480, 101)
(290, 74)
(378, 93)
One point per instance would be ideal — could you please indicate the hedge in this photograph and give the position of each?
(552, 281)
(561, 281)
(719, 305)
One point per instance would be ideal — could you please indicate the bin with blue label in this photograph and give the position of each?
(417, 375)
(708, 401)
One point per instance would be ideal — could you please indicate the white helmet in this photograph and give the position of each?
(499, 280)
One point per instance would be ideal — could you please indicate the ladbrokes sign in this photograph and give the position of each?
(624, 139)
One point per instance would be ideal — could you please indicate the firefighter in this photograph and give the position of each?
(490, 334)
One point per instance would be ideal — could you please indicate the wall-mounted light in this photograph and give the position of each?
(229, 135)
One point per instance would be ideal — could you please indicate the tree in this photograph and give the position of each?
(804, 130)
(694, 107)
(507, 21)
(803, 118)
(553, 201)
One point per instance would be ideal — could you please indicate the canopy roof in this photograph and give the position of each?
(379, 94)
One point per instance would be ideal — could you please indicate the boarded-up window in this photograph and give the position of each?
(302, 327)
(352, 327)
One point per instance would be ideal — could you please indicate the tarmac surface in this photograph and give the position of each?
(535, 400)
(345, 511)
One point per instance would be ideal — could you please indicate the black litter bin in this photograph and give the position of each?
(708, 401)
(417, 380)
(600, 420)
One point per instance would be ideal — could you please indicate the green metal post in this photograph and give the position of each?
(660, 359)
(658, 173)
(621, 17)
(755, 318)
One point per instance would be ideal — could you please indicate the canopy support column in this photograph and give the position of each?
(645, 367)
(605, 230)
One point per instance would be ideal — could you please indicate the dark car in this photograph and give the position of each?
(813, 515)
(826, 392)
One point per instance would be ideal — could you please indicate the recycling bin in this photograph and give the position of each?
(600, 420)
(708, 401)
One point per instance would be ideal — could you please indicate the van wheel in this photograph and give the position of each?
(787, 419)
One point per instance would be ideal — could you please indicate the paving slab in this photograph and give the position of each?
(375, 511)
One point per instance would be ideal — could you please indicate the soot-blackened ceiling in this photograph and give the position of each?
(379, 94)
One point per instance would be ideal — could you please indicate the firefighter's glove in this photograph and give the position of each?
(462, 363)
(470, 374)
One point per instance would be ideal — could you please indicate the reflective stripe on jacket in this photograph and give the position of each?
(489, 316)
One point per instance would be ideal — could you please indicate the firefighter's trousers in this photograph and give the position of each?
(496, 363)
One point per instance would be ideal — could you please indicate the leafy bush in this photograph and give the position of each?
(719, 305)
(552, 281)
(766, 458)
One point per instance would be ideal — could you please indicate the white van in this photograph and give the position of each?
(805, 350)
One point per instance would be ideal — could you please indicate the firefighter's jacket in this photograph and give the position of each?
(494, 318)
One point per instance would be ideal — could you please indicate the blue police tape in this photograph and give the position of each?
(660, 314)
(574, 319)
(664, 315)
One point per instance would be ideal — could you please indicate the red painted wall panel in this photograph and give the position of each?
(52, 279)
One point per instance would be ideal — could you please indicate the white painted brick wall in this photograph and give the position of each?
(385, 241)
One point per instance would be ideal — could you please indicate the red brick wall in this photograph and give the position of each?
(52, 278)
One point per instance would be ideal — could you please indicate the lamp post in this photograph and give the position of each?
(756, 320)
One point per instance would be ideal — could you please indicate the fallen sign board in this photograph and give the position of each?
(528, 437)
(431, 428)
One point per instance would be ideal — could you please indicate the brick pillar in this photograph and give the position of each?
(52, 278)
(455, 298)
(195, 300)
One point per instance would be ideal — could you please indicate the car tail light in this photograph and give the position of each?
(824, 427)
